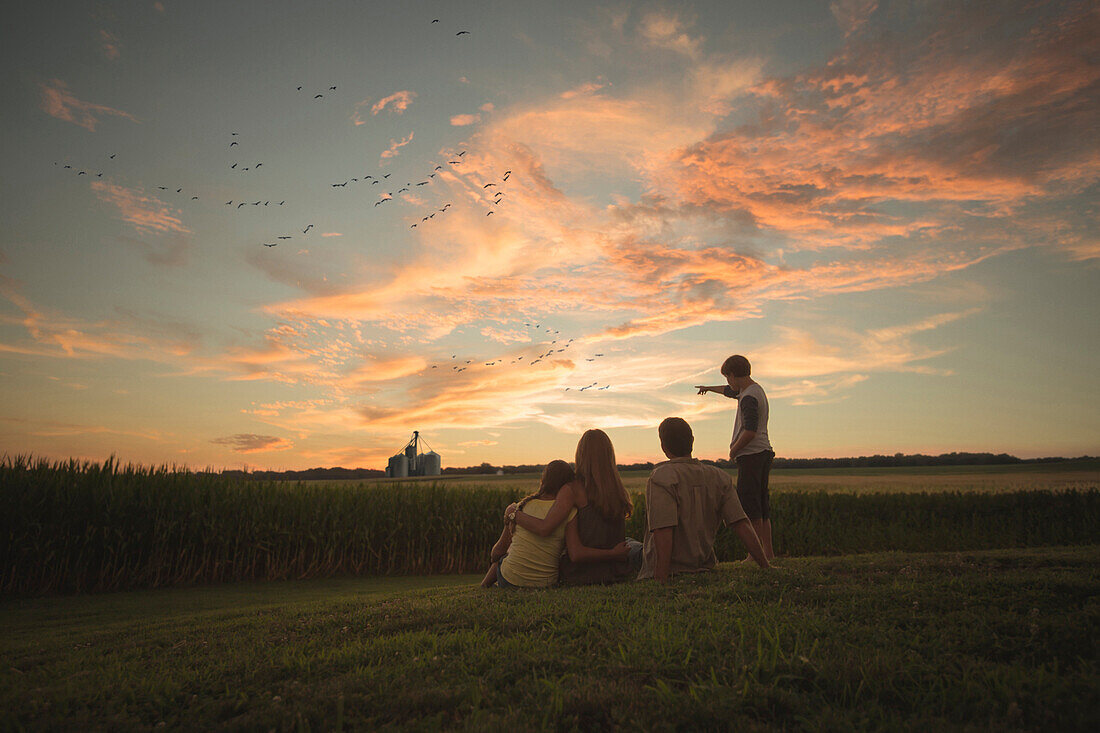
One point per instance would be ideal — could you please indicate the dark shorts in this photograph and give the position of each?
(752, 483)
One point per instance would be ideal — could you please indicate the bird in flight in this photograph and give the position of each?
(234, 143)
(307, 229)
(228, 203)
(270, 245)
(463, 33)
(112, 157)
(434, 21)
(257, 165)
(488, 184)
(284, 237)
(163, 188)
(506, 174)
(239, 205)
(233, 166)
(462, 153)
(319, 96)
(331, 89)
(489, 214)
(299, 89)
(193, 198)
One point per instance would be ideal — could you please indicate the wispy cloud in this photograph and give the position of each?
(109, 44)
(463, 120)
(397, 102)
(395, 146)
(252, 443)
(144, 211)
(59, 102)
(667, 31)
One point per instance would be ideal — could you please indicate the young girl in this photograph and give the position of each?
(593, 509)
(531, 560)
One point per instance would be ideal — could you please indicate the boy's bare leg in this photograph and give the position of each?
(490, 578)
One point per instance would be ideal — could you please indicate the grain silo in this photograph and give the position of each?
(411, 462)
(398, 466)
(430, 464)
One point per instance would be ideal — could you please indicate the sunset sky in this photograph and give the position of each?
(890, 208)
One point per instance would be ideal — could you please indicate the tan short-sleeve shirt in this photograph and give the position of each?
(693, 498)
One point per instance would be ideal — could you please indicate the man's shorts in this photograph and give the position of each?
(752, 483)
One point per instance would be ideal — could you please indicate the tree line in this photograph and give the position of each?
(875, 461)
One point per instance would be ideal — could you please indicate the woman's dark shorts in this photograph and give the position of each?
(752, 483)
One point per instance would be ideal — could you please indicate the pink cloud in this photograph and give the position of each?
(332, 234)
(395, 146)
(397, 102)
(462, 120)
(57, 101)
(146, 213)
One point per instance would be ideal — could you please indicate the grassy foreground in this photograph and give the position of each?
(1002, 640)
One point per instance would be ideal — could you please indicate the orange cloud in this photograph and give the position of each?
(57, 101)
(252, 443)
(462, 120)
(584, 89)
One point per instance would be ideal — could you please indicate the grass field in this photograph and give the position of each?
(992, 640)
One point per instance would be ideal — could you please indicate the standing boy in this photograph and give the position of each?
(750, 448)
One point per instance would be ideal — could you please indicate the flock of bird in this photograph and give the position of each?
(553, 349)
(490, 199)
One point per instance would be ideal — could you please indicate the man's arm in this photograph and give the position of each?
(662, 544)
(557, 514)
(721, 389)
(747, 534)
(579, 552)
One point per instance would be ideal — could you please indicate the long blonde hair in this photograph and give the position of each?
(598, 474)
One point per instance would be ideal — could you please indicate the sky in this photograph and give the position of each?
(530, 219)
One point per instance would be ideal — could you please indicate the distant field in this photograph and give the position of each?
(1048, 476)
(999, 640)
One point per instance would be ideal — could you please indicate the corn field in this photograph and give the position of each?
(79, 527)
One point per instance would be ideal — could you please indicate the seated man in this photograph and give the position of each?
(685, 502)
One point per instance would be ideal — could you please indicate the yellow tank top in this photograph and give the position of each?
(532, 561)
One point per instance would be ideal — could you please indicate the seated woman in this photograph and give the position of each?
(523, 559)
(594, 509)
